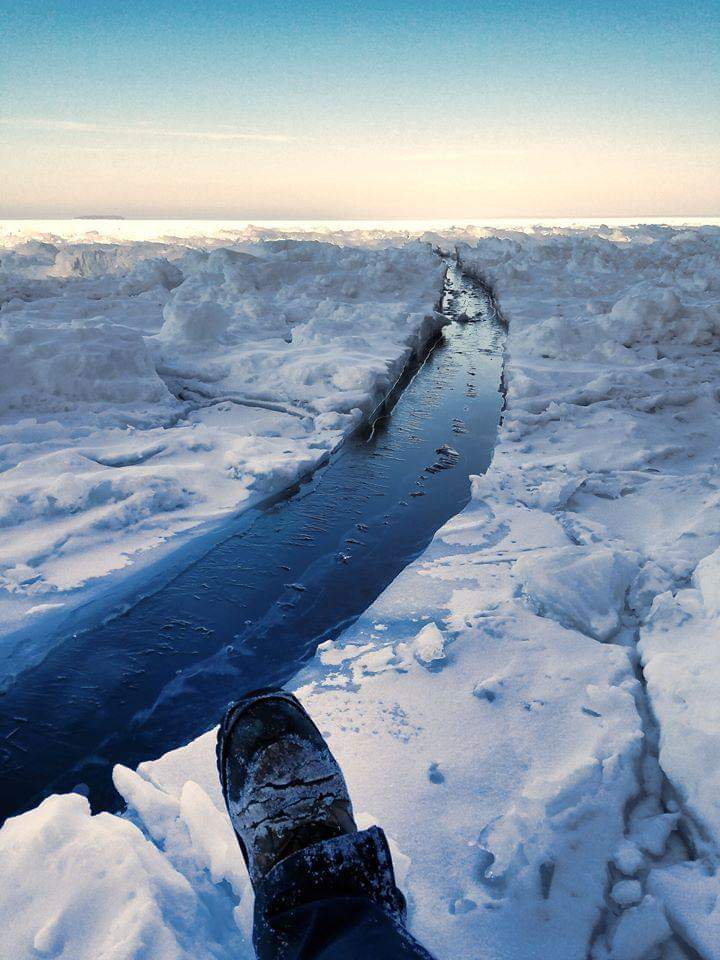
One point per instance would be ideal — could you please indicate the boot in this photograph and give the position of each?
(283, 788)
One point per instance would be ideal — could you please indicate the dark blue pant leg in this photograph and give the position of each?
(335, 900)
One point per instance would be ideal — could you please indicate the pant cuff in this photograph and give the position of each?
(354, 865)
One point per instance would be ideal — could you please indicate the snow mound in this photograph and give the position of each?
(104, 890)
(56, 368)
(580, 587)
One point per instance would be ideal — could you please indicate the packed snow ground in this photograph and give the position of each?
(530, 709)
(150, 388)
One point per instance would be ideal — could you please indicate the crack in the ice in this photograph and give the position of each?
(648, 768)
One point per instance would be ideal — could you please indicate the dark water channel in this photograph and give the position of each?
(254, 608)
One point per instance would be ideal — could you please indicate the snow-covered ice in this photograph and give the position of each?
(530, 709)
(150, 389)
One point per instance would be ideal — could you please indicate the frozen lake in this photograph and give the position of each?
(253, 609)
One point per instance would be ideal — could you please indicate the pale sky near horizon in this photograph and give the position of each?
(365, 109)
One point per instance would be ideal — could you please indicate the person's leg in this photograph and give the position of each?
(323, 889)
(332, 900)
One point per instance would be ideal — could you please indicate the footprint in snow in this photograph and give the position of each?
(435, 774)
(462, 905)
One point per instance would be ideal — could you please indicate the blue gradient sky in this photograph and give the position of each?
(427, 109)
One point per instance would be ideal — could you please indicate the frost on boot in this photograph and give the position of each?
(283, 788)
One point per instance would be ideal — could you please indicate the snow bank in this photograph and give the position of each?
(87, 886)
(487, 709)
(153, 388)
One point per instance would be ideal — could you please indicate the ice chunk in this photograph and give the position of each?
(639, 930)
(628, 858)
(582, 587)
(707, 579)
(213, 841)
(626, 892)
(651, 833)
(429, 645)
(690, 893)
(196, 322)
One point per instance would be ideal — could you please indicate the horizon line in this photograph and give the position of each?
(467, 219)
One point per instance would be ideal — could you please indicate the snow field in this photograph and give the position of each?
(530, 708)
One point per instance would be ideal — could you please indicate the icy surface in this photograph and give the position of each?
(151, 388)
(495, 709)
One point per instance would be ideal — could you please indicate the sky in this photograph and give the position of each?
(299, 108)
